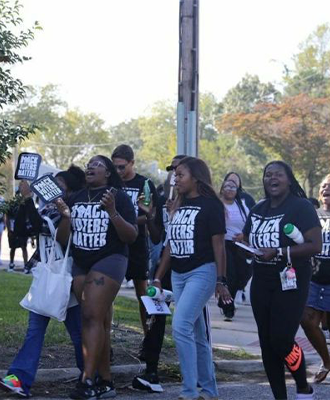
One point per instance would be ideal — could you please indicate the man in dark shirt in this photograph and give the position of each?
(123, 160)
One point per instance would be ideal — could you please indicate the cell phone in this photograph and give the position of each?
(111, 190)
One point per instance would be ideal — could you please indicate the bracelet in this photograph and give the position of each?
(157, 280)
(114, 216)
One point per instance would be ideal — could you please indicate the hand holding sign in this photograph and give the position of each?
(47, 189)
(28, 166)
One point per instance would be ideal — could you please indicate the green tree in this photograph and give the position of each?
(12, 39)
(311, 72)
(63, 136)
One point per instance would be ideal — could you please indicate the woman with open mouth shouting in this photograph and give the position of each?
(102, 224)
(281, 274)
(318, 301)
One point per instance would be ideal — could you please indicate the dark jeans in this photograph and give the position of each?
(26, 362)
(238, 270)
(153, 340)
(278, 314)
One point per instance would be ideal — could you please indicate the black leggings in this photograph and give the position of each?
(278, 316)
(238, 270)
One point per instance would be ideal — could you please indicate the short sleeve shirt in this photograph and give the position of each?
(321, 267)
(190, 231)
(264, 226)
(93, 235)
(134, 189)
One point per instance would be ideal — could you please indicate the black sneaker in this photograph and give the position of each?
(84, 390)
(105, 389)
(147, 381)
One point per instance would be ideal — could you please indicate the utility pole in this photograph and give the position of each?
(187, 108)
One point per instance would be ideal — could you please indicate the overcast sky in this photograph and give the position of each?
(118, 57)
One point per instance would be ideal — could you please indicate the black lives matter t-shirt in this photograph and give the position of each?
(264, 226)
(93, 235)
(321, 267)
(190, 231)
(134, 189)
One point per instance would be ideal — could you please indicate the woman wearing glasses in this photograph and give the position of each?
(102, 224)
(236, 213)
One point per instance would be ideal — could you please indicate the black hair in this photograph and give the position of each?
(74, 178)
(114, 179)
(123, 151)
(238, 199)
(239, 179)
(295, 187)
(200, 171)
(314, 201)
(179, 157)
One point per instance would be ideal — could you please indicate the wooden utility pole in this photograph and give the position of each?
(187, 109)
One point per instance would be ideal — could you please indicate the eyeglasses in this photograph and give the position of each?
(232, 188)
(95, 164)
(121, 167)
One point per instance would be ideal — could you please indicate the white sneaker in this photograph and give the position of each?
(130, 284)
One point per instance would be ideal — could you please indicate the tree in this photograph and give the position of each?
(311, 72)
(297, 130)
(63, 136)
(11, 89)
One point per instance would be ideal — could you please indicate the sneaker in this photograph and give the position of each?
(147, 381)
(105, 389)
(12, 384)
(204, 396)
(84, 391)
(11, 267)
(130, 284)
(305, 396)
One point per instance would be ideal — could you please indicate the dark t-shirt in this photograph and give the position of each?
(93, 235)
(162, 216)
(190, 232)
(134, 188)
(264, 227)
(321, 267)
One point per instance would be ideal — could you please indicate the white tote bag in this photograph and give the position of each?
(49, 294)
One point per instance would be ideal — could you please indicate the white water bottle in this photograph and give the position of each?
(155, 293)
(293, 233)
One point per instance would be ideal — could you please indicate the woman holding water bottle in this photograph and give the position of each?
(195, 252)
(281, 275)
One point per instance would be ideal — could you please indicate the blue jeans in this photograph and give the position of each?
(192, 290)
(26, 362)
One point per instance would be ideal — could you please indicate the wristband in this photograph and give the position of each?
(115, 215)
(157, 280)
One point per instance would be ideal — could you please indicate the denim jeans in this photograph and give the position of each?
(26, 362)
(192, 290)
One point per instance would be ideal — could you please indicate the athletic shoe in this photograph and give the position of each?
(305, 396)
(84, 391)
(130, 284)
(105, 389)
(11, 383)
(11, 267)
(204, 396)
(147, 381)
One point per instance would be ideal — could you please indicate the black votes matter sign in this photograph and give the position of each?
(28, 166)
(47, 189)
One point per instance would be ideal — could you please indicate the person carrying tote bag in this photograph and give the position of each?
(49, 294)
(22, 371)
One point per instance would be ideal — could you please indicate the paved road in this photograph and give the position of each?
(227, 391)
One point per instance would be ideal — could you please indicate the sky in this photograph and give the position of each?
(118, 57)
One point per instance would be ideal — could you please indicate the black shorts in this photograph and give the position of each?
(137, 270)
(113, 266)
(17, 241)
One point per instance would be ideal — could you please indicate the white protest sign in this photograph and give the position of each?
(28, 166)
(47, 189)
(154, 306)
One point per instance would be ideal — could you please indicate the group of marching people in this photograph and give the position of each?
(104, 212)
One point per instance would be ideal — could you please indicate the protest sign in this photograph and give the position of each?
(154, 306)
(47, 189)
(28, 166)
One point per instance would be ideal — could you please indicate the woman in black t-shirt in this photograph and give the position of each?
(102, 224)
(318, 301)
(196, 254)
(278, 292)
